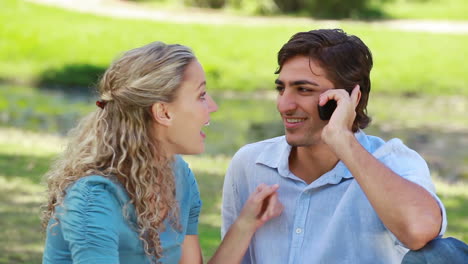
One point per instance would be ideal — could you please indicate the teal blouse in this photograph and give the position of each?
(93, 229)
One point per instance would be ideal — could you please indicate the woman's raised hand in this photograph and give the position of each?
(262, 205)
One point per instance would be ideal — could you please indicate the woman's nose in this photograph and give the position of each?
(212, 106)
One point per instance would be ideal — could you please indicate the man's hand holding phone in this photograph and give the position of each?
(340, 108)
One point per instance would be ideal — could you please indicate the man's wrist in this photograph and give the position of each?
(340, 141)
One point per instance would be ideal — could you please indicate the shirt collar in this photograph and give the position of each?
(276, 156)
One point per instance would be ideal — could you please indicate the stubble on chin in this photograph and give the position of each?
(304, 140)
(292, 140)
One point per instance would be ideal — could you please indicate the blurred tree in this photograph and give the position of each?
(257, 7)
(290, 6)
(329, 8)
(72, 78)
(206, 3)
(313, 8)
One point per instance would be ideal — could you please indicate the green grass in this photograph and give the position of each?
(426, 9)
(25, 156)
(455, 198)
(41, 110)
(41, 44)
(21, 239)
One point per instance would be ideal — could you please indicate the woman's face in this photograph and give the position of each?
(190, 112)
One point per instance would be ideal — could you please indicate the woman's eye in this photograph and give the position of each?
(203, 96)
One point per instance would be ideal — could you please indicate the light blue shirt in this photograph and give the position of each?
(328, 221)
(93, 229)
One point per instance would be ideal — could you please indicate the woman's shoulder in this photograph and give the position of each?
(95, 181)
(179, 162)
(184, 176)
(98, 186)
(181, 167)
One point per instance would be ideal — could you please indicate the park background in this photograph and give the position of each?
(53, 51)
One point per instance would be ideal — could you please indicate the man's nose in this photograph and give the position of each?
(286, 102)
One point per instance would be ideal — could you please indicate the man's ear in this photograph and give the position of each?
(161, 113)
(356, 94)
(359, 98)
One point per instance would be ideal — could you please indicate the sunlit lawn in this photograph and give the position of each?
(426, 9)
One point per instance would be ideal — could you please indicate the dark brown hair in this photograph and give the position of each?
(346, 60)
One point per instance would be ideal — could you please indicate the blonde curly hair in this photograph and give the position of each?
(118, 140)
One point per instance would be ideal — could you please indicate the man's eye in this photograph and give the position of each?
(279, 88)
(302, 89)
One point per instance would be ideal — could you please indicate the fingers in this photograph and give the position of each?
(259, 188)
(264, 191)
(332, 94)
(262, 205)
(260, 198)
(337, 94)
(274, 208)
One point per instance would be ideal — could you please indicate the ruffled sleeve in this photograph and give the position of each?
(89, 222)
(195, 206)
(189, 195)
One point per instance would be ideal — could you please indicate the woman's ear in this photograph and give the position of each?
(161, 113)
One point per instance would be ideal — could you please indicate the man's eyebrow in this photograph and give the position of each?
(302, 82)
(296, 83)
(277, 81)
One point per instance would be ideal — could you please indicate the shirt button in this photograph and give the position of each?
(298, 230)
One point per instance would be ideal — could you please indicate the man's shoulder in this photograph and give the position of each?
(393, 148)
(251, 153)
(260, 146)
(266, 152)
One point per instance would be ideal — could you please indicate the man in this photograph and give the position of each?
(348, 197)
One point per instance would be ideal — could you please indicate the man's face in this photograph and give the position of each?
(299, 85)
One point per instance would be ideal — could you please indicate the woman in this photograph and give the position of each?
(120, 193)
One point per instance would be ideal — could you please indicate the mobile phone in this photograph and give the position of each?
(326, 111)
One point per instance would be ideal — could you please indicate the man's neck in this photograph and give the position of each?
(311, 162)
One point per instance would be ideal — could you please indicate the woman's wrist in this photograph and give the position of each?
(245, 226)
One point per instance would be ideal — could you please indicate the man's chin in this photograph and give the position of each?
(304, 141)
(294, 142)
